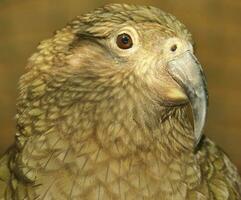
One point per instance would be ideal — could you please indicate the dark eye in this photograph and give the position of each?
(174, 47)
(124, 41)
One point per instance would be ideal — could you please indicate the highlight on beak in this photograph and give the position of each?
(187, 72)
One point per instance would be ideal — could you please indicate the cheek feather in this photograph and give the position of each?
(74, 60)
(146, 64)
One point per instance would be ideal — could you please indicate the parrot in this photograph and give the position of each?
(103, 113)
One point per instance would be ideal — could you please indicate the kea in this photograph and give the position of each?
(104, 114)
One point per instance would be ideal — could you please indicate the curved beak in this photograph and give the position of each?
(187, 72)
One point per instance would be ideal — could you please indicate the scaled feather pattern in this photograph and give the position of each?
(96, 122)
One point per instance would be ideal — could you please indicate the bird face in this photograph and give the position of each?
(162, 60)
(147, 50)
(167, 64)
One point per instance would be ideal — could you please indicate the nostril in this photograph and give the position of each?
(173, 47)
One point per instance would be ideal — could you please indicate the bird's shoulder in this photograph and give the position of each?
(218, 172)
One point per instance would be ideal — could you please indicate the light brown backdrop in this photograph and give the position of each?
(215, 25)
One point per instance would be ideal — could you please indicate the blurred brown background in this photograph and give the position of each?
(216, 27)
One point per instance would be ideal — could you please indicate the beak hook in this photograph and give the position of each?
(187, 72)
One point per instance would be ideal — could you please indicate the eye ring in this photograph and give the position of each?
(124, 41)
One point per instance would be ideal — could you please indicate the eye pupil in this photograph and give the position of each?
(124, 41)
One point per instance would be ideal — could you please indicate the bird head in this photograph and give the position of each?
(119, 51)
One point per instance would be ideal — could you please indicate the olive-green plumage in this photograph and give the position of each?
(95, 121)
